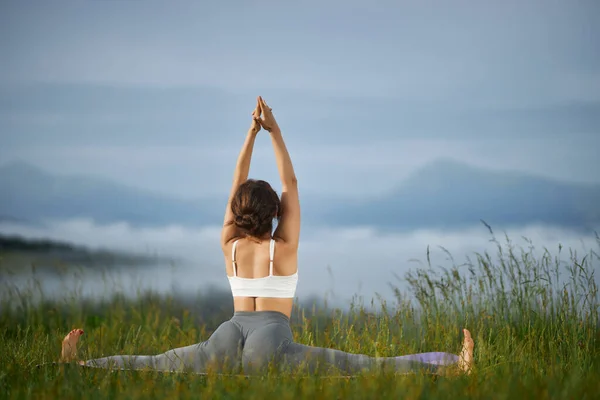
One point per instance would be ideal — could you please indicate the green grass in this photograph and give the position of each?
(534, 320)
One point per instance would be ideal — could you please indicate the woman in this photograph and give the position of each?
(262, 267)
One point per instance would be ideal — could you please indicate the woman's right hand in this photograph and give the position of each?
(267, 120)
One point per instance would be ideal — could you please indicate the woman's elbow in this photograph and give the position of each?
(291, 182)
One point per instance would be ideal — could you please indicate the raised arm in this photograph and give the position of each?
(230, 231)
(288, 229)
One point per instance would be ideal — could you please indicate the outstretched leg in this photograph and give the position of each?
(192, 357)
(222, 350)
(316, 359)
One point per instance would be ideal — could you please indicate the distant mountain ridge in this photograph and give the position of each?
(444, 194)
(449, 194)
(31, 194)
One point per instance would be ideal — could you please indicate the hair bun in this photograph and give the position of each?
(254, 206)
(246, 220)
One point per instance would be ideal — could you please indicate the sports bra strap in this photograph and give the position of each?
(271, 253)
(233, 257)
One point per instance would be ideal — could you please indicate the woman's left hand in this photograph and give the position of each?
(255, 126)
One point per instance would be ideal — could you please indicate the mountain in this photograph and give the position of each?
(31, 194)
(448, 194)
(444, 194)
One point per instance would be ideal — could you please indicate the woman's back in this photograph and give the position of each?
(263, 275)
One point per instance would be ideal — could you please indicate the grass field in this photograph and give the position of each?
(534, 319)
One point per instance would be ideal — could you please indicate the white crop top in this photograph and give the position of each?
(268, 286)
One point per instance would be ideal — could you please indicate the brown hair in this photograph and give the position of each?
(254, 206)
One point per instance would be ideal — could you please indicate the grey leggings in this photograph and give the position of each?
(255, 341)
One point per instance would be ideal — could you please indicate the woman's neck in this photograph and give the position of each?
(266, 236)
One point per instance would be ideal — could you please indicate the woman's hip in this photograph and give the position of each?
(266, 333)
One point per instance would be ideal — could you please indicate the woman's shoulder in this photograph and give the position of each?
(283, 247)
(228, 245)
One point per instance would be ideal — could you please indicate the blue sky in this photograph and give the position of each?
(158, 95)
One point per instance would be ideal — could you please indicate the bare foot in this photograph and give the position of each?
(69, 345)
(465, 361)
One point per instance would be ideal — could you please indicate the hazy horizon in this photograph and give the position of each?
(334, 263)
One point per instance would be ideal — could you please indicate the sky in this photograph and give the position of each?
(158, 96)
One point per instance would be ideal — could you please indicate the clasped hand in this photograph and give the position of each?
(262, 117)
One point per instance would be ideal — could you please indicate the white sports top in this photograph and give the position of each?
(268, 286)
